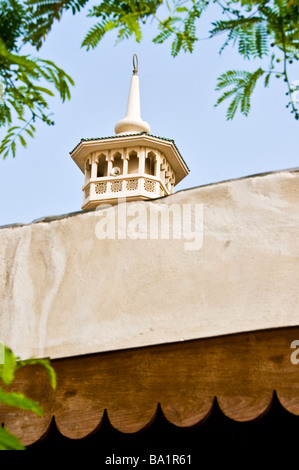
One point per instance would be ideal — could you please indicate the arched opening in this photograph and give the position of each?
(150, 164)
(133, 163)
(118, 162)
(102, 166)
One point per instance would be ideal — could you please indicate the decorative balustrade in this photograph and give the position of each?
(100, 188)
(124, 186)
(150, 185)
(132, 185)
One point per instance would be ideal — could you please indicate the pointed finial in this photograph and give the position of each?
(135, 64)
(133, 123)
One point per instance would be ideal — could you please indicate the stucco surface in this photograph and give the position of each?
(65, 290)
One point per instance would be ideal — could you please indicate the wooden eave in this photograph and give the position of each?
(241, 371)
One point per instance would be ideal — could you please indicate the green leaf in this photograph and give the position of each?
(240, 24)
(8, 441)
(7, 370)
(44, 90)
(267, 79)
(226, 95)
(95, 34)
(29, 132)
(20, 401)
(162, 37)
(182, 9)
(7, 373)
(13, 149)
(22, 140)
(231, 111)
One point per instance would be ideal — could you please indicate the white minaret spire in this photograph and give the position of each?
(133, 123)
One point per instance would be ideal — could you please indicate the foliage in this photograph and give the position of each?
(7, 374)
(26, 81)
(258, 28)
(266, 25)
(243, 84)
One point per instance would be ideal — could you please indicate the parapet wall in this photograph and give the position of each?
(110, 279)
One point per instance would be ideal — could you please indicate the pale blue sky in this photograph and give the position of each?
(177, 100)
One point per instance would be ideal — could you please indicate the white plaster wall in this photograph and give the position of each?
(65, 292)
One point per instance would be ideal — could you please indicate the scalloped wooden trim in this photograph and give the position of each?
(241, 370)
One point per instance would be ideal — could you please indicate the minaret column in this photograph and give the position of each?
(158, 165)
(94, 167)
(87, 170)
(141, 156)
(125, 158)
(109, 163)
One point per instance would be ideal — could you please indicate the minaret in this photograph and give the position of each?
(133, 164)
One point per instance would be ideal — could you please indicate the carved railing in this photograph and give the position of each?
(124, 185)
